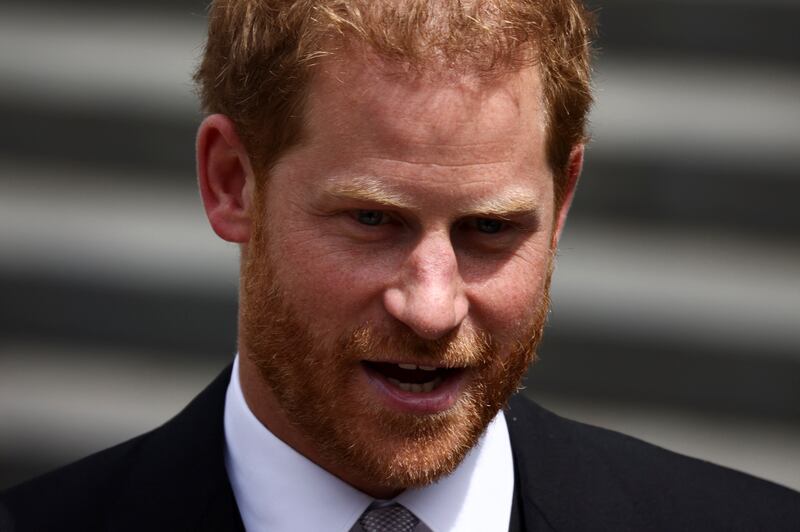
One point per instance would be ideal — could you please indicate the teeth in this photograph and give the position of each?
(416, 388)
(414, 366)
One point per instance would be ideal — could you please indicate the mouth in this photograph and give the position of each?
(415, 388)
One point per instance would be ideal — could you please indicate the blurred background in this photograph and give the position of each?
(676, 313)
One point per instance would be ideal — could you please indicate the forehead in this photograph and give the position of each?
(435, 113)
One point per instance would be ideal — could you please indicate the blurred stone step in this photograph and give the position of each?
(678, 141)
(656, 315)
(59, 404)
(133, 235)
(89, 64)
(746, 30)
(749, 30)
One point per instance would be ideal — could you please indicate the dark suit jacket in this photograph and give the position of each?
(570, 477)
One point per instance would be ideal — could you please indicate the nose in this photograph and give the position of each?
(428, 294)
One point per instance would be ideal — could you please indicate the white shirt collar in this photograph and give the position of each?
(278, 489)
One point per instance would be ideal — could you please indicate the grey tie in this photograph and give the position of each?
(390, 518)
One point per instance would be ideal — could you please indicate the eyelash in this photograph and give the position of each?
(470, 223)
(385, 217)
(504, 225)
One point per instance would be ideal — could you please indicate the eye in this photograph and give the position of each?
(371, 217)
(489, 226)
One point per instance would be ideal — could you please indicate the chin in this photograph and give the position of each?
(331, 412)
(400, 450)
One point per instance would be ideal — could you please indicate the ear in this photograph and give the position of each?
(574, 167)
(225, 177)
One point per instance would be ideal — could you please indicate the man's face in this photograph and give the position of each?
(413, 228)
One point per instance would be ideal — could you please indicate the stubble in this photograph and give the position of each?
(319, 385)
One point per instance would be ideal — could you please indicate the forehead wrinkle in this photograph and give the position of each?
(375, 85)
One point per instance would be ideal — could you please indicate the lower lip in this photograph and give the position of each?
(437, 400)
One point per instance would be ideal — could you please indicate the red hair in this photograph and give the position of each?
(260, 53)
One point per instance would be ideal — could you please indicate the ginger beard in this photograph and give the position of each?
(316, 380)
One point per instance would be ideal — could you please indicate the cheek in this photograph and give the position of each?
(509, 300)
(327, 281)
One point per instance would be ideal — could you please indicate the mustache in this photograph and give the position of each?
(464, 346)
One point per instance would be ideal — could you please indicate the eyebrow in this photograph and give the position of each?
(370, 191)
(512, 203)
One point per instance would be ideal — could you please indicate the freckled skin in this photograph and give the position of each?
(445, 145)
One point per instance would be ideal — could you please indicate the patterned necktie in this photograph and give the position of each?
(391, 518)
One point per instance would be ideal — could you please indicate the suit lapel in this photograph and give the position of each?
(178, 479)
(525, 515)
(516, 523)
(564, 485)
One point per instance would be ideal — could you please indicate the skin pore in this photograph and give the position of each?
(414, 225)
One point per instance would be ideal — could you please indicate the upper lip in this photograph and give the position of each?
(420, 363)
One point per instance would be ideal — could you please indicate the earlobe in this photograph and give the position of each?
(225, 177)
(574, 168)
